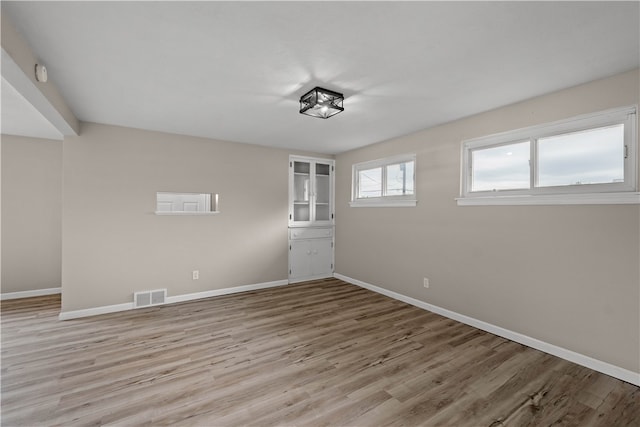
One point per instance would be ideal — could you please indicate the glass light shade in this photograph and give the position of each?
(322, 103)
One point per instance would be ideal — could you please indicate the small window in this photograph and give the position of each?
(385, 182)
(584, 160)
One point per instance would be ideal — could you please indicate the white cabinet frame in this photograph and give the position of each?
(312, 196)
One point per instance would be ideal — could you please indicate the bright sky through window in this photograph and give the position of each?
(400, 179)
(504, 167)
(370, 183)
(593, 156)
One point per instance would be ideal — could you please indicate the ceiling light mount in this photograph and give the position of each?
(322, 103)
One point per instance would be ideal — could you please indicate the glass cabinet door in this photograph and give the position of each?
(310, 192)
(301, 191)
(323, 192)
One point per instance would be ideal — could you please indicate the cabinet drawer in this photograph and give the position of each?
(310, 233)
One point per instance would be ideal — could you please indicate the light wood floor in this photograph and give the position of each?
(321, 353)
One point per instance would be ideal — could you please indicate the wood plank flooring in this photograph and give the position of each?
(321, 353)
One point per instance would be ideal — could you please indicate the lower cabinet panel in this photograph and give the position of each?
(310, 258)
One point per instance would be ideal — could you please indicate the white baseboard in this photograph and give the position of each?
(29, 294)
(105, 309)
(563, 353)
(225, 291)
(309, 278)
(67, 315)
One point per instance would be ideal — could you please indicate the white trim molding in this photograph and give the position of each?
(226, 291)
(563, 353)
(309, 278)
(94, 311)
(622, 198)
(186, 213)
(29, 294)
(365, 203)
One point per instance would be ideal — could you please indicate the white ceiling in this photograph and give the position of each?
(236, 70)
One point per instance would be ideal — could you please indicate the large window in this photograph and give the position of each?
(385, 182)
(587, 159)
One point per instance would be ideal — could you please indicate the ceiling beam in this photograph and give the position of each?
(18, 68)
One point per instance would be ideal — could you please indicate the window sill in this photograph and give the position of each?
(187, 213)
(383, 203)
(627, 198)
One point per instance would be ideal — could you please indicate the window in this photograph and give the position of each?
(385, 182)
(589, 159)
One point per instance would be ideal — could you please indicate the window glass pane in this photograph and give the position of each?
(301, 188)
(593, 156)
(500, 168)
(301, 212)
(400, 179)
(323, 188)
(370, 183)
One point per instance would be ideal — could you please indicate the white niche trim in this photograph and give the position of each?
(170, 203)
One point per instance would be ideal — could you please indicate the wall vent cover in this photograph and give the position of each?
(149, 298)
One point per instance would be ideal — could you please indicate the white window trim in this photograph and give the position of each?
(408, 200)
(628, 198)
(616, 193)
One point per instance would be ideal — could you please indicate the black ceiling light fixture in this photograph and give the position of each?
(323, 103)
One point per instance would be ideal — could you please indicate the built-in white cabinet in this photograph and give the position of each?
(311, 218)
(310, 192)
(310, 253)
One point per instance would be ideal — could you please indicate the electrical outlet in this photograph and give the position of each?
(195, 274)
(426, 283)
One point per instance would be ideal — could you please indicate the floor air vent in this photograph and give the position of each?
(149, 298)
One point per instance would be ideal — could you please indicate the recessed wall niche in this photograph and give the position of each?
(170, 203)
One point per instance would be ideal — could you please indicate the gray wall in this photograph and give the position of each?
(114, 245)
(567, 275)
(31, 213)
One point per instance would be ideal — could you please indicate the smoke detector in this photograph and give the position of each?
(41, 73)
